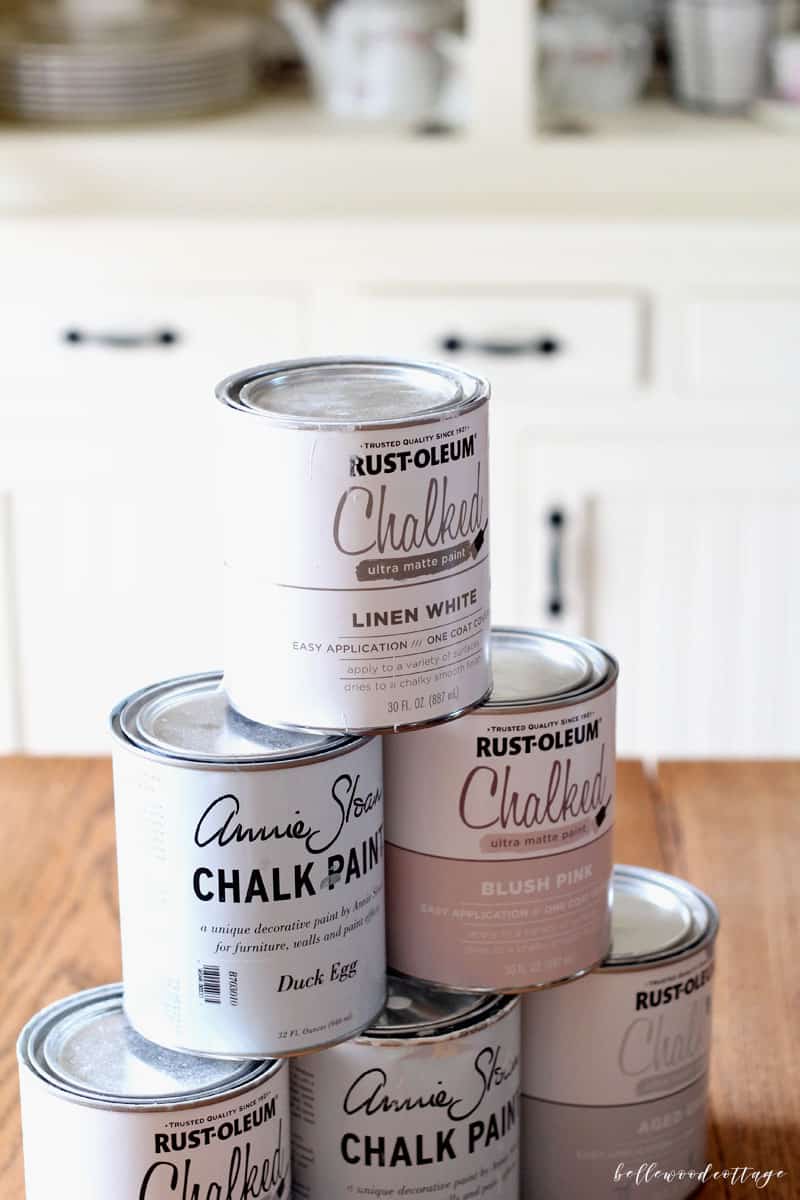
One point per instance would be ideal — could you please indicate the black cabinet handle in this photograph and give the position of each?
(543, 345)
(120, 340)
(556, 520)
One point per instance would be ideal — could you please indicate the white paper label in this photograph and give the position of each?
(77, 1152)
(619, 1037)
(251, 902)
(401, 1121)
(357, 578)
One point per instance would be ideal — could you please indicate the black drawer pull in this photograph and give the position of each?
(120, 340)
(556, 520)
(544, 345)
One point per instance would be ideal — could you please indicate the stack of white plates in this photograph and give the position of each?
(166, 63)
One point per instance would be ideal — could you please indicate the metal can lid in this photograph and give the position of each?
(530, 666)
(415, 1009)
(86, 1046)
(656, 916)
(191, 719)
(352, 393)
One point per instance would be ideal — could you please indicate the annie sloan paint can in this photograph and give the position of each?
(499, 827)
(424, 1103)
(106, 1113)
(356, 511)
(615, 1065)
(250, 876)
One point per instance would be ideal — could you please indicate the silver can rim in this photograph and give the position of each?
(702, 941)
(564, 699)
(229, 389)
(498, 1006)
(260, 1071)
(366, 734)
(341, 743)
(282, 1056)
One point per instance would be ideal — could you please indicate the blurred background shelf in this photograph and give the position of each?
(628, 281)
(282, 157)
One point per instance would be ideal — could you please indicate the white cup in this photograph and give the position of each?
(785, 61)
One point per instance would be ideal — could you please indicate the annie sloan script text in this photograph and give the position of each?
(221, 825)
(469, 1127)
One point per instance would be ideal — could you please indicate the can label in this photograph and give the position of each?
(230, 1147)
(503, 882)
(366, 557)
(251, 902)
(615, 1072)
(408, 1120)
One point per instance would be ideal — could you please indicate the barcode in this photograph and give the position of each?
(209, 985)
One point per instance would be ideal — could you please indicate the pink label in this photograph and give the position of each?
(499, 924)
(499, 845)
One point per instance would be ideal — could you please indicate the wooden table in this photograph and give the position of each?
(731, 828)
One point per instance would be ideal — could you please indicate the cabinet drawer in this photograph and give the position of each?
(745, 345)
(524, 339)
(114, 589)
(74, 363)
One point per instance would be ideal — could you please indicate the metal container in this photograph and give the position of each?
(356, 511)
(107, 1114)
(250, 876)
(719, 51)
(427, 1098)
(499, 827)
(615, 1066)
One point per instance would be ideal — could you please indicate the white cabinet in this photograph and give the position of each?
(541, 340)
(544, 352)
(117, 584)
(679, 554)
(109, 460)
(8, 649)
(745, 344)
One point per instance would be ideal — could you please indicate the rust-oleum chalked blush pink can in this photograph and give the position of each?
(356, 529)
(615, 1065)
(499, 826)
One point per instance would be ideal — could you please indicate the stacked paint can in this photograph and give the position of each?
(359, 845)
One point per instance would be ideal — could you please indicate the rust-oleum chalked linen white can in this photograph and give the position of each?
(356, 514)
(250, 876)
(499, 827)
(425, 1103)
(107, 1115)
(615, 1065)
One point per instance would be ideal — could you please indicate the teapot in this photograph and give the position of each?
(372, 59)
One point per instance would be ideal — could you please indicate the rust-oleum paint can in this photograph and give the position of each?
(250, 876)
(107, 1114)
(615, 1065)
(425, 1103)
(356, 525)
(499, 827)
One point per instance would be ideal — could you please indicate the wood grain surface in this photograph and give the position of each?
(731, 828)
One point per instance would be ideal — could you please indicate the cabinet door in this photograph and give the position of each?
(117, 586)
(680, 557)
(109, 453)
(9, 732)
(546, 353)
